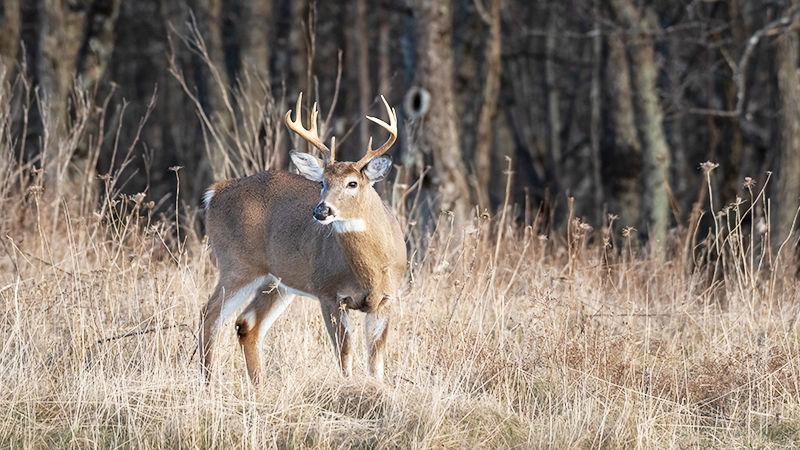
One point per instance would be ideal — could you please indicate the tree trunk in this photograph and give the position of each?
(60, 32)
(440, 126)
(595, 100)
(214, 78)
(624, 169)
(364, 87)
(553, 97)
(61, 28)
(789, 166)
(384, 58)
(214, 40)
(298, 59)
(491, 88)
(656, 150)
(731, 163)
(98, 42)
(256, 42)
(297, 45)
(9, 36)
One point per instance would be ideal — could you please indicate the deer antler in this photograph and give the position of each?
(391, 127)
(309, 134)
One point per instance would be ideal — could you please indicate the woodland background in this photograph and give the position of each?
(616, 103)
(630, 282)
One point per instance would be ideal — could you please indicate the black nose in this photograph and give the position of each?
(321, 211)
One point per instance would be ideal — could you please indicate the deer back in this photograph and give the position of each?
(262, 223)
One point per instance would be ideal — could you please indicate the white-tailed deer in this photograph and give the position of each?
(324, 234)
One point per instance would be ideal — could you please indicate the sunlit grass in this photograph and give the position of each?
(502, 337)
(550, 345)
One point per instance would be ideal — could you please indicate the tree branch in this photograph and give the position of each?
(777, 26)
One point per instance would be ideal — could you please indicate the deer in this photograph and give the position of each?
(324, 233)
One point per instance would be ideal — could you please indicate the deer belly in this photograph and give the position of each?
(352, 297)
(287, 290)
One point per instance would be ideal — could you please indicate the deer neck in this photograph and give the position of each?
(368, 243)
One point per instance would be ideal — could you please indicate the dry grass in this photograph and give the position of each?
(503, 338)
(544, 347)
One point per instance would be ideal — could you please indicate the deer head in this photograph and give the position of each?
(346, 187)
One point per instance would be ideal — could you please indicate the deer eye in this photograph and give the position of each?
(352, 185)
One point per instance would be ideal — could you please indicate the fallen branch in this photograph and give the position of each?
(142, 332)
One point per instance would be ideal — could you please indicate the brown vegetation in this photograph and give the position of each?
(539, 319)
(503, 337)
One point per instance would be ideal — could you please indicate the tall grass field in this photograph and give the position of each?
(509, 333)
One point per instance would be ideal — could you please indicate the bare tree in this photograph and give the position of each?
(595, 101)
(60, 33)
(656, 150)
(98, 41)
(211, 64)
(440, 125)
(299, 46)
(607, 110)
(789, 88)
(553, 94)
(384, 58)
(623, 173)
(364, 85)
(491, 89)
(10, 28)
(255, 41)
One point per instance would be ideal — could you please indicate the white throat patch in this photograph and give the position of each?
(349, 226)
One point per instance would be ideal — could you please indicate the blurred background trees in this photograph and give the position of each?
(613, 102)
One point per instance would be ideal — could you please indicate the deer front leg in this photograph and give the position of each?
(376, 330)
(339, 330)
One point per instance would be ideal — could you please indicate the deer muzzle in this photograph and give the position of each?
(323, 213)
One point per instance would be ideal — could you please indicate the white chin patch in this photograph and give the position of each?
(349, 226)
(329, 219)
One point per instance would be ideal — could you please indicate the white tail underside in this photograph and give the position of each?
(209, 194)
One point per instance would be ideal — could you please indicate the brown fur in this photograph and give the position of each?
(262, 224)
(248, 333)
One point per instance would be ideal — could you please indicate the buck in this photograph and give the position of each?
(324, 234)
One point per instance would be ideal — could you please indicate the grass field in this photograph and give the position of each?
(502, 338)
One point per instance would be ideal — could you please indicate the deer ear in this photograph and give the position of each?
(309, 166)
(377, 169)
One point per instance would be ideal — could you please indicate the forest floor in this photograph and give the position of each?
(508, 339)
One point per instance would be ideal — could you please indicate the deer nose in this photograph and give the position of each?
(321, 211)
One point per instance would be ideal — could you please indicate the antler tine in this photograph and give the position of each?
(391, 127)
(309, 134)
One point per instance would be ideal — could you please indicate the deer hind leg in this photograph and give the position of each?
(228, 297)
(339, 330)
(253, 324)
(376, 331)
